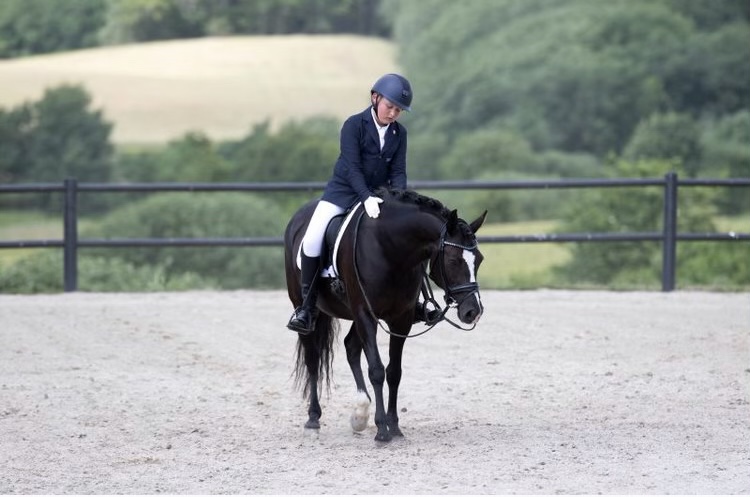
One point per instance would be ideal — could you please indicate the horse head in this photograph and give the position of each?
(455, 265)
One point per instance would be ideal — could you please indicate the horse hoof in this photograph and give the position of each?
(383, 437)
(312, 425)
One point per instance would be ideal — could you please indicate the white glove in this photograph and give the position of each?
(371, 206)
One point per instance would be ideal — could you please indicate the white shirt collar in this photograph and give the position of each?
(381, 129)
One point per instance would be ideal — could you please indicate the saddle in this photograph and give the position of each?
(331, 242)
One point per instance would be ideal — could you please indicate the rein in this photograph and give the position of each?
(450, 300)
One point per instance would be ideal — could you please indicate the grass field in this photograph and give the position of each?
(15, 225)
(154, 92)
(520, 265)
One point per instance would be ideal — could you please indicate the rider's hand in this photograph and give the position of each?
(371, 206)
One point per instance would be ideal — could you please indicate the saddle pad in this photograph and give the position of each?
(332, 271)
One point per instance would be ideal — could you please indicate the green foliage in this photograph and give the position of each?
(41, 26)
(43, 273)
(575, 76)
(201, 215)
(623, 210)
(145, 20)
(486, 149)
(713, 14)
(192, 158)
(304, 151)
(723, 265)
(710, 75)
(424, 155)
(57, 137)
(669, 137)
(726, 144)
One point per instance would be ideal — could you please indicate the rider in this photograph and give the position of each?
(372, 155)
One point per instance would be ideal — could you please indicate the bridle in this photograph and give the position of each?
(467, 289)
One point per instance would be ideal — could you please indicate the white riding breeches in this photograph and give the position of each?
(312, 243)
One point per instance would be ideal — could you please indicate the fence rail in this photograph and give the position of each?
(669, 236)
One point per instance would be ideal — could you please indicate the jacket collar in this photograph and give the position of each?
(390, 135)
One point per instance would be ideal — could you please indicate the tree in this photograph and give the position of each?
(130, 21)
(191, 158)
(40, 26)
(298, 151)
(196, 215)
(668, 136)
(144, 20)
(577, 76)
(56, 137)
(67, 138)
(726, 144)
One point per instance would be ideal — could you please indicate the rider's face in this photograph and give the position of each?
(386, 111)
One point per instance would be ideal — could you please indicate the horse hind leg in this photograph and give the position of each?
(361, 413)
(312, 362)
(314, 356)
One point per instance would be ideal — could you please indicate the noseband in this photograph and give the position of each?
(468, 289)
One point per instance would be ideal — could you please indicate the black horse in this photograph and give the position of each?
(380, 271)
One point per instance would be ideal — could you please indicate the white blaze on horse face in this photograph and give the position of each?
(470, 259)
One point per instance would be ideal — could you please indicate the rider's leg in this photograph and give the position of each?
(303, 320)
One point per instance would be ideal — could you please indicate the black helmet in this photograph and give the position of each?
(395, 88)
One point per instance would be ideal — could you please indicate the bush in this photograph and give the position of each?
(43, 273)
(202, 215)
(628, 210)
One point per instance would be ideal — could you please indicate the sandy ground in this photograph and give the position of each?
(554, 392)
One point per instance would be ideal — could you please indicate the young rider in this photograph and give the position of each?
(372, 155)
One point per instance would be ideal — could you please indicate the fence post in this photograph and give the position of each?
(70, 235)
(669, 238)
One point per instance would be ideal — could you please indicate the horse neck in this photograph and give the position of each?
(412, 237)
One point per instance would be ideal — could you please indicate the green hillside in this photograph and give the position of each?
(157, 91)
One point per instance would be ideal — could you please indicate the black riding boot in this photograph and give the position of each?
(303, 320)
(422, 314)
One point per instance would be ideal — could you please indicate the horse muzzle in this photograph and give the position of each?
(469, 303)
(470, 309)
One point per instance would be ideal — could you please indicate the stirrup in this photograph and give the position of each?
(297, 323)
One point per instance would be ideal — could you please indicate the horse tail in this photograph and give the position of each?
(315, 355)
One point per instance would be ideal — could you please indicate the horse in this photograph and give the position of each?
(381, 269)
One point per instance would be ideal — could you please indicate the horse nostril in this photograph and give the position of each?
(469, 316)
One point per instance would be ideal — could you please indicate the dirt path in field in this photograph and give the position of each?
(554, 392)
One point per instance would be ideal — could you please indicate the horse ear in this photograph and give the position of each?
(452, 221)
(478, 222)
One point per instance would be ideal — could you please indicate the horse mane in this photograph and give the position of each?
(423, 202)
(414, 198)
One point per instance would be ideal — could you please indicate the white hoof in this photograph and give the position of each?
(361, 414)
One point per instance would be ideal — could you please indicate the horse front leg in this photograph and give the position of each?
(361, 413)
(393, 373)
(367, 328)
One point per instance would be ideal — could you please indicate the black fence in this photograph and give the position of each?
(668, 236)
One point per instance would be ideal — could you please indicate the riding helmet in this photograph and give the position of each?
(395, 88)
